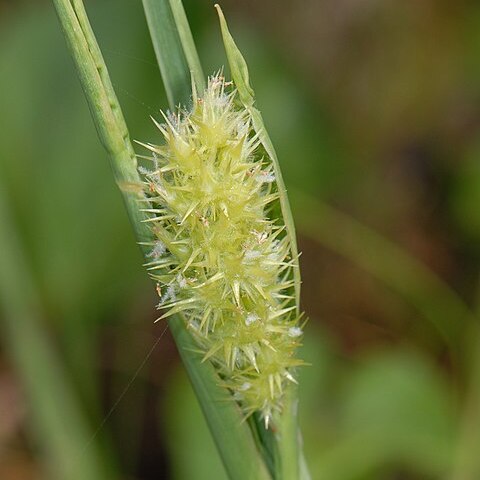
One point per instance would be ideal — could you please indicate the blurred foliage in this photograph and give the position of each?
(373, 107)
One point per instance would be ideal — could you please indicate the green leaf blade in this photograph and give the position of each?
(175, 50)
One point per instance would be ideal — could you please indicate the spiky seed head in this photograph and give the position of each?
(219, 257)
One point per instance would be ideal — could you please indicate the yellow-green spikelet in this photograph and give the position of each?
(219, 258)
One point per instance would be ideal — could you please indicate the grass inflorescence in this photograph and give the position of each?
(222, 258)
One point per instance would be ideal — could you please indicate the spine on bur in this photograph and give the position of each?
(222, 258)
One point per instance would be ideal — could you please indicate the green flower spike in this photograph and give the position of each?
(221, 259)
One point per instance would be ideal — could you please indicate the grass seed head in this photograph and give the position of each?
(219, 258)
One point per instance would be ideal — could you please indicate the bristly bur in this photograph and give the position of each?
(221, 259)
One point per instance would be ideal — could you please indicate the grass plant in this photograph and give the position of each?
(267, 445)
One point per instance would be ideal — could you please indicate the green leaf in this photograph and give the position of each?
(175, 50)
(466, 460)
(188, 44)
(396, 408)
(238, 65)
